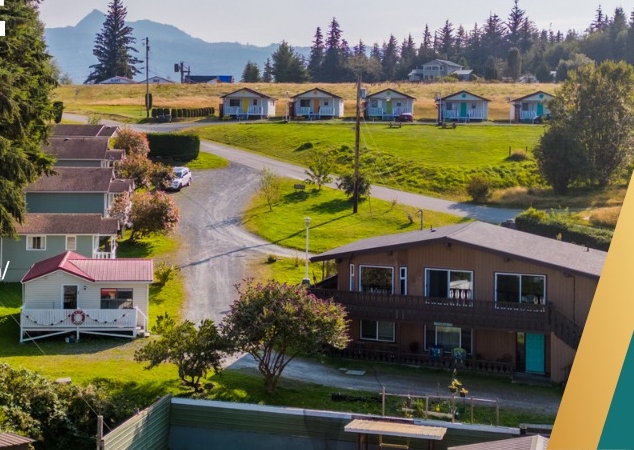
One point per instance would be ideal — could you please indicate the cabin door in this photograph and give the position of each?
(388, 106)
(463, 109)
(245, 105)
(535, 353)
(70, 297)
(315, 106)
(540, 109)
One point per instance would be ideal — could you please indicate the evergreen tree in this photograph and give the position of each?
(267, 76)
(27, 79)
(113, 47)
(334, 62)
(515, 25)
(407, 61)
(288, 67)
(446, 41)
(390, 58)
(251, 73)
(514, 64)
(426, 50)
(316, 56)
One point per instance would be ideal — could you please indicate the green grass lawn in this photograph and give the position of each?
(417, 158)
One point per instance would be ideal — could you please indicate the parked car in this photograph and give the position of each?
(405, 117)
(182, 177)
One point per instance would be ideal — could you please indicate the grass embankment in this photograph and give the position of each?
(127, 101)
(332, 224)
(416, 158)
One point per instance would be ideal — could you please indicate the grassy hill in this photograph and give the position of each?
(128, 100)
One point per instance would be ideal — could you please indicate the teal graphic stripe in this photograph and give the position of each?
(617, 430)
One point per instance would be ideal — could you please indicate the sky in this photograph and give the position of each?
(264, 22)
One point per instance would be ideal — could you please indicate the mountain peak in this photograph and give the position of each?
(93, 20)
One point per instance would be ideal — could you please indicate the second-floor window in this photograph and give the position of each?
(445, 283)
(520, 288)
(36, 243)
(376, 279)
(71, 243)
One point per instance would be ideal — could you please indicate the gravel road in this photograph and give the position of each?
(214, 248)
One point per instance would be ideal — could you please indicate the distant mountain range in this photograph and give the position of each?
(72, 49)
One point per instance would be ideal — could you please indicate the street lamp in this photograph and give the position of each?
(306, 280)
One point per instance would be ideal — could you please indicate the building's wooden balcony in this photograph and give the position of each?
(40, 323)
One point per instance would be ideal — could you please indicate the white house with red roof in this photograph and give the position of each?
(73, 293)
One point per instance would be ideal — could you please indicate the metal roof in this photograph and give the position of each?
(54, 223)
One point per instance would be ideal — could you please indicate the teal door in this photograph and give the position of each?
(535, 353)
(540, 109)
(463, 110)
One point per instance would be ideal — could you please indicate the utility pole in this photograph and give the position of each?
(148, 99)
(355, 199)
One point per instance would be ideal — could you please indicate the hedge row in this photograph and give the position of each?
(179, 147)
(539, 222)
(176, 113)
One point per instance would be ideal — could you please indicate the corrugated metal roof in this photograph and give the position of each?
(536, 442)
(8, 440)
(487, 237)
(95, 270)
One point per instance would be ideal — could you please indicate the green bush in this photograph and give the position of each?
(559, 225)
(179, 147)
(479, 188)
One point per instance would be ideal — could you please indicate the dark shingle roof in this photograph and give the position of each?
(74, 179)
(486, 237)
(88, 148)
(82, 130)
(35, 223)
(121, 269)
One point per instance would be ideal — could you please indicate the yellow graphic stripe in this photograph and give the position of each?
(604, 343)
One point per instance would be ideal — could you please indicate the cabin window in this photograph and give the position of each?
(325, 102)
(255, 102)
(443, 283)
(71, 243)
(374, 103)
(36, 243)
(376, 330)
(399, 104)
(474, 106)
(524, 106)
(376, 279)
(448, 106)
(234, 102)
(520, 288)
(116, 298)
(448, 337)
(304, 103)
(403, 280)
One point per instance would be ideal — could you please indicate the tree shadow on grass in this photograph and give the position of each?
(134, 249)
(332, 207)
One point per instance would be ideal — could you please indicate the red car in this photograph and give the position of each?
(405, 117)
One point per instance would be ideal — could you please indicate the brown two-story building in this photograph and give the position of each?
(512, 301)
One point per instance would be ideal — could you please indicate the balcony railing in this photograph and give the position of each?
(38, 323)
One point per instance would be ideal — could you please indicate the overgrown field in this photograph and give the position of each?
(418, 158)
(128, 100)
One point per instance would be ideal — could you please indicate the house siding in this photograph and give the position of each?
(70, 203)
(563, 292)
(21, 259)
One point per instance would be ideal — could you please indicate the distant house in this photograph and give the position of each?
(247, 104)
(464, 74)
(434, 69)
(317, 104)
(118, 80)
(72, 293)
(462, 106)
(388, 104)
(208, 79)
(156, 80)
(527, 108)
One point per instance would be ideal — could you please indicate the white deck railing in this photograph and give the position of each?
(96, 321)
(528, 115)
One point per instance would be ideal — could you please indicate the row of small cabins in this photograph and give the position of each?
(509, 301)
(388, 104)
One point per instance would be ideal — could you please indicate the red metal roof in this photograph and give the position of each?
(95, 270)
